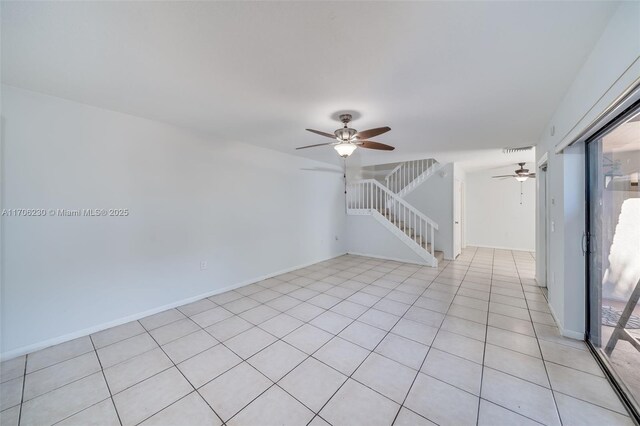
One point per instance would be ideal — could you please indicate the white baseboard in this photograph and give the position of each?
(500, 247)
(375, 256)
(90, 330)
(571, 334)
(555, 317)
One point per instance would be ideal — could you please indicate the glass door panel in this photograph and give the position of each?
(613, 166)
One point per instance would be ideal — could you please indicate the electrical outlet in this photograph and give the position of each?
(203, 265)
(553, 226)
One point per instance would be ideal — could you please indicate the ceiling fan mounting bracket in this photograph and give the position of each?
(345, 118)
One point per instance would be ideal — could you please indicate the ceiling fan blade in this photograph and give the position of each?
(504, 176)
(532, 175)
(366, 134)
(312, 146)
(375, 145)
(318, 132)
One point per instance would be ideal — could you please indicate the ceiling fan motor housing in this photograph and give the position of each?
(345, 134)
(522, 170)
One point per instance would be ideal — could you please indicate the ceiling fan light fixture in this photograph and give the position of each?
(522, 178)
(345, 149)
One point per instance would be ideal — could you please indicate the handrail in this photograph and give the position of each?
(395, 169)
(397, 199)
(404, 174)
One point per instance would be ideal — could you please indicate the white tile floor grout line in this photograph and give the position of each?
(486, 333)
(306, 358)
(105, 381)
(535, 332)
(277, 339)
(327, 342)
(180, 371)
(372, 351)
(485, 348)
(430, 346)
(24, 379)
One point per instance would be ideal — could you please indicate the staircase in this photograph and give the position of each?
(417, 231)
(409, 175)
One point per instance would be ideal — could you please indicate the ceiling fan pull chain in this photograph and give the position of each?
(520, 193)
(345, 174)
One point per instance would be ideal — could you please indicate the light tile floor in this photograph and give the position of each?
(350, 341)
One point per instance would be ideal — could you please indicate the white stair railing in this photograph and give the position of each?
(406, 174)
(366, 197)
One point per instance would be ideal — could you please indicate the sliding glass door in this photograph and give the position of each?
(613, 166)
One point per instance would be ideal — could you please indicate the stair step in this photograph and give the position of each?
(413, 235)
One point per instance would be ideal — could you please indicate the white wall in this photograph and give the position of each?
(247, 211)
(495, 217)
(610, 68)
(434, 198)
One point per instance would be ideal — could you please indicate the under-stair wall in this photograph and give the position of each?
(367, 236)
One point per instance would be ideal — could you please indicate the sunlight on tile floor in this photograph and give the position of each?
(350, 341)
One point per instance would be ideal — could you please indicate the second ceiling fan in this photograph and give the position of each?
(521, 174)
(348, 139)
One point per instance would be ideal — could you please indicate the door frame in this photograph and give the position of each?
(544, 198)
(457, 217)
(463, 222)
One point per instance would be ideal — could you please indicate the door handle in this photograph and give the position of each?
(584, 244)
(456, 222)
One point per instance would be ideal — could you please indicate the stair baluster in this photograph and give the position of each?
(406, 176)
